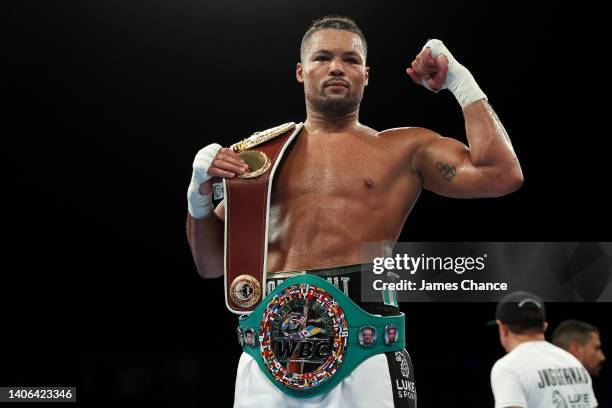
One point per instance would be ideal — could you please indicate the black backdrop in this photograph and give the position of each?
(106, 104)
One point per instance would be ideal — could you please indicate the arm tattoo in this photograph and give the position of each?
(447, 171)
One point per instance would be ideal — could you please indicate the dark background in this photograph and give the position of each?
(107, 102)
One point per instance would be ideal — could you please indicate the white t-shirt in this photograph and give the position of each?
(538, 374)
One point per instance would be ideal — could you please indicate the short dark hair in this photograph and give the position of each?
(335, 22)
(525, 330)
(571, 331)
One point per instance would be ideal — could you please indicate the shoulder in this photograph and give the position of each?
(410, 139)
(410, 142)
(412, 134)
(512, 362)
(407, 139)
(503, 365)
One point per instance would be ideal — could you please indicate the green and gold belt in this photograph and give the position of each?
(307, 335)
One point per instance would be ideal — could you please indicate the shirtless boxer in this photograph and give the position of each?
(344, 183)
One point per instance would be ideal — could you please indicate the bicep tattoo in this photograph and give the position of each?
(447, 171)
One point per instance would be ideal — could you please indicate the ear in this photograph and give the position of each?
(575, 349)
(299, 71)
(503, 334)
(503, 330)
(367, 75)
(545, 326)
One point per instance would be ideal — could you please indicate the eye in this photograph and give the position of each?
(352, 60)
(321, 58)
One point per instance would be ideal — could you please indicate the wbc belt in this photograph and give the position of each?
(307, 335)
(247, 204)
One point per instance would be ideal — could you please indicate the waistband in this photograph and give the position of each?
(307, 335)
(322, 272)
(348, 279)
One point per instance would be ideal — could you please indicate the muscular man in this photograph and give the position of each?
(535, 373)
(582, 341)
(344, 183)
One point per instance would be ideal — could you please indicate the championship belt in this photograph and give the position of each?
(307, 335)
(247, 205)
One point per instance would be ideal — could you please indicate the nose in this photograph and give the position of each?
(336, 67)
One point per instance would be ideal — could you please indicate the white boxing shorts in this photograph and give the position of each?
(383, 381)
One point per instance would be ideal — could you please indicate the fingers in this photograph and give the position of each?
(428, 68)
(230, 156)
(231, 153)
(435, 84)
(227, 164)
(415, 77)
(424, 64)
(436, 81)
(215, 171)
(442, 61)
(225, 169)
(428, 60)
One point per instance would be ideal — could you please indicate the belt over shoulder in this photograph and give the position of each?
(247, 206)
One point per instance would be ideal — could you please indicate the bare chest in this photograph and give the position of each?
(358, 169)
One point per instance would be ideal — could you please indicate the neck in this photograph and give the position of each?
(519, 339)
(317, 122)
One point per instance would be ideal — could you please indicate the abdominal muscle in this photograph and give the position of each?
(320, 232)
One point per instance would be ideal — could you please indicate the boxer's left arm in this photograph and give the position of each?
(488, 167)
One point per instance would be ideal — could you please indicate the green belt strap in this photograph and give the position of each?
(354, 353)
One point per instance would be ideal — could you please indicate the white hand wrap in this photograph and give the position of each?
(458, 79)
(200, 205)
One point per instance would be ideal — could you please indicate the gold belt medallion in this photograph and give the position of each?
(245, 291)
(257, 160)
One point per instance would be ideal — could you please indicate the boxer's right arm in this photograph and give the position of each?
(205, 237)
(205, 229)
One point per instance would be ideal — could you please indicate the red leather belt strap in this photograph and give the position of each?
(246, 239)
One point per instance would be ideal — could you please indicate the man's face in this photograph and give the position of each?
(591, 355)
(367, 336)
(392, 334)
(333, 72)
